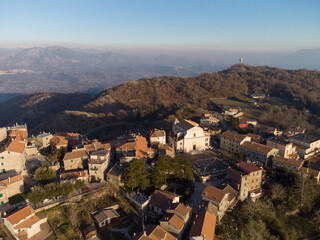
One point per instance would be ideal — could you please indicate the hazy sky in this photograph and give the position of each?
(184, 24)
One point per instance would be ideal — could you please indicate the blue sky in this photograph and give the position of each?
(253, 25)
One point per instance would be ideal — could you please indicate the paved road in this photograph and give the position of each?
(195, 198)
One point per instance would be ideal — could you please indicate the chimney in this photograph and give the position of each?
(9, 179)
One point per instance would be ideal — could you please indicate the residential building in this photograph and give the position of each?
(296, 130)
(75, 159)
(106, 217)
(134, 147)
(160, 201)
(218, 197)
(274, 131)
(59, 142)
(243, 123)
(157, 137)
(116, 174)
(258, 96)
(233, 193)
(43, 139)
(3, 134)
(231, 141)
(252, 122)
(176, 219)
(12, 157)
(188, 136)
(10, 187)
(293, 165)
(73, 176)
(203, 226)
(286, 148)
(166, 150)
(153, 232)
(95, 145)
(98, 163)
(209, 169)
(208, 121)
(231, 111)
(24, 224)
(256, 152)
(307, 144)
(89, 233)
(246, 178)
(255, 138)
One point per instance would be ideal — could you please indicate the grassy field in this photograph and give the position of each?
(60, 222)
(223, 102)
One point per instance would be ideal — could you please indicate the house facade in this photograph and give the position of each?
(10, 187)
(98, 163)
(24, 224)
(13, 157)
(293, 165)
(256, 152)
(188, 136)
(157, 137)
(218, 197)
(75, 159)
(43, 139)
(231, 141)
(246, 178)
(286, 148)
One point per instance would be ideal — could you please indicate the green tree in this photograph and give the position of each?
(158, 177)
(136, 175)
(44, 174)
(188, 170)
(55, 155)
(37, 195)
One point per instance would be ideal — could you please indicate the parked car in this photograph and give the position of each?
(86, 189)
(47, 200)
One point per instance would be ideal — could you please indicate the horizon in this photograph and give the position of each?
(230, 26)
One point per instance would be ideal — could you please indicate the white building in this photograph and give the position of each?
(13, 156)
(98, 163)
(188, 136)
(24, 224)
(157, 137)
(43, 139)
(3, 134)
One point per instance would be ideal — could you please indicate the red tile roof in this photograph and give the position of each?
(214, 194)
(20, 215)
(203, 225)
(248, 167)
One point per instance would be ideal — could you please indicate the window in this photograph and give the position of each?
(3, 170)
(245, 184)
(95, 172)
(2, 202)
(245, 178)
(256, 180)
(8, 152)
(71, 160)
(244, 194)
(1, 194)
(2, 164)
(256, 186)
(252, 181)
(252, 187)
(252, 174)
(257, 173)
(194, 135)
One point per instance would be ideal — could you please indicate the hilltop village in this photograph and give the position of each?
(180, 184)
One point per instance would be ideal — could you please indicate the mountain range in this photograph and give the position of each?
(69, 70)
(162, 97)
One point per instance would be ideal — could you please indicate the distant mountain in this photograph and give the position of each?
(60, 69)
(165, 96)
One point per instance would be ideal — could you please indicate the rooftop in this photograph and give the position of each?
(174, 220)
(203, 224)
(72, 175)
(306, 137)
(12, 180)
(292, 162)
(75, 154)
(43, 135)
(19, 215)
(214, 194)
(162, 199)
(154, 232)
(233, 136)
(118, 169)
(248, 167)
(186, 124)
(105, 214)
(257, 147)
(157, 133)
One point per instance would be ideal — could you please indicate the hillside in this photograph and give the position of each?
(301, 87)
(156, 99)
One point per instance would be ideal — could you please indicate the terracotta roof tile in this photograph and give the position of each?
(75, 154)
(73, 175)
(248, 167)
(12, 180)
(257, 147)
(28, 222)
(157, 133)
(292, 162)
(16, 217)
(17, 147)
(214, 194)
(203, 225)
(233, 136)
